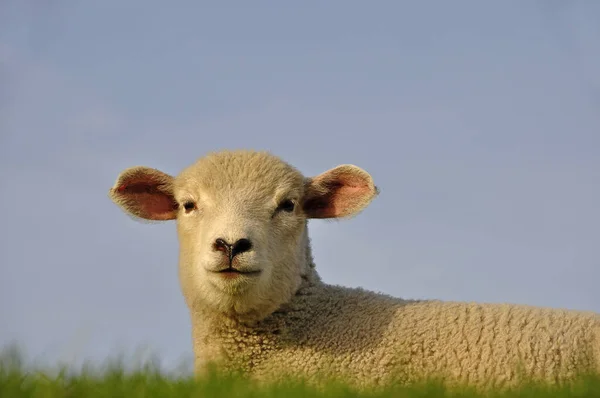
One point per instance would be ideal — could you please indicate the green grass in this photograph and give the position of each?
(17, 380)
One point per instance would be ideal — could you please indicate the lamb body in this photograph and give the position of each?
(376, 340)
(257, 303)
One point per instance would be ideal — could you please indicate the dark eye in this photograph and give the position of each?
(189, 206)
(287, 206)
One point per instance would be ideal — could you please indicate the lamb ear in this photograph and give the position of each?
(340, 192)
(146, 193)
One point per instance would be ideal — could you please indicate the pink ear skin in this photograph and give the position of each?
(146, 193)
(340, 192)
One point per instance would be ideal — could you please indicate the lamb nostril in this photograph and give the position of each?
(222, 246)
(241, 246)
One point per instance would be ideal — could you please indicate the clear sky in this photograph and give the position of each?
(479, 121)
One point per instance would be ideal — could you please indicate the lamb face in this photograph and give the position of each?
(241, 222)
(241, 232)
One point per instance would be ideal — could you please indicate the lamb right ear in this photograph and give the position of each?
(145, 193)
(343, 191)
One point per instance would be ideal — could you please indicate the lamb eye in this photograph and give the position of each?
(287, 206)
(189, 206)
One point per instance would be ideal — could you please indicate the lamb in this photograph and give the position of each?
(258, 305)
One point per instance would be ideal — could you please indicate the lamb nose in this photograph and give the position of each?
(242, 245)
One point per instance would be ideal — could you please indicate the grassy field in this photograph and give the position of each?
(112, 381)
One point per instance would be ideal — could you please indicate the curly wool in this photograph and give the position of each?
(371, 340)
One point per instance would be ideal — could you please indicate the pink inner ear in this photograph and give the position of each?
(346, 198)
(147, 198)
(344, 193)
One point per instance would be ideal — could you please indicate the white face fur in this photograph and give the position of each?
(241, 222)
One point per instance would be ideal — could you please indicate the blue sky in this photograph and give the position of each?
(479, 121)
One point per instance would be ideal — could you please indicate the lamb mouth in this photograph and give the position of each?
(231, 270)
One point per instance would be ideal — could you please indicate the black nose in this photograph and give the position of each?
(241, 246)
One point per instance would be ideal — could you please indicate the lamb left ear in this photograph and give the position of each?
(343, 191)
